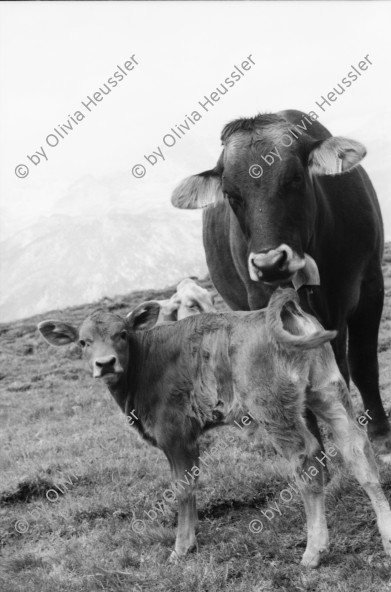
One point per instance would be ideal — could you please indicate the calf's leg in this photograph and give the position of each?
(352, 442)
(312, 424)
(301, 448)
(183, 459)
(312, 493)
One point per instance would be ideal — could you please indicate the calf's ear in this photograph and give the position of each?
(199, 191)
(335, 155)
(144, 317)
(58, 333)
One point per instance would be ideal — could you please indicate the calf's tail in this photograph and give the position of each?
(287, 301)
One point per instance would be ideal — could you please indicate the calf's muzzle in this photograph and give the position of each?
(106, 365)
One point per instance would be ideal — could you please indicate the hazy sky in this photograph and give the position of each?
(53, 55)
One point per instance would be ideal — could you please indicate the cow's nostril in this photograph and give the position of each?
(105, 363)
(283, 259)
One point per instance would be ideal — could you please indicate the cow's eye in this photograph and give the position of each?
(296, 180)
(124, 334)
(235, 200)
(234, 197)
(82, 343)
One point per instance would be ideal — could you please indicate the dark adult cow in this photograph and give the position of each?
(307, 214)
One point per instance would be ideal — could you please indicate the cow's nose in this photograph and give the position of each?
(274, 260)
(275, 265)
(270, 261)
(104, 366)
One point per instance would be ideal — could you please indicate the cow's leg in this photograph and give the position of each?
(340, 351)
(363, 362)
(352, 442)
(183, 457)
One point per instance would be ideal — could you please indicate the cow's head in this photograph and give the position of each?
(273, 201)
(104, 339)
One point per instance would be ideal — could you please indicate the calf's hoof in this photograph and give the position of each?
(387, 545)
(385, 458)
(177, 555)
(384, 524)
(312, 558)
(174, 558)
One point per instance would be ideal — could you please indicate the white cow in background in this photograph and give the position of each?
(189, 299)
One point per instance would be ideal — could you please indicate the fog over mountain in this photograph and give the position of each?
(99, 241)
(107, 236)
(79, 226)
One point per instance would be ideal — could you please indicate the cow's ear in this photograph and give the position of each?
(58, 333)
(144, 317)
(199, 191)
(335, 155)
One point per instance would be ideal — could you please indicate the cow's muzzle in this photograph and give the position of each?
(107, 366)
(275, 266)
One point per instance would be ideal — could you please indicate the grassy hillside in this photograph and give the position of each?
(75, 482)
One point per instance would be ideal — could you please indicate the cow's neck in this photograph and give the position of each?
(323, 218)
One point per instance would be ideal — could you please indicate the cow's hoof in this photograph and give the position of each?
(382, 445)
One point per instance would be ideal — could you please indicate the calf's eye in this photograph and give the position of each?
(296, 179)
(82, 343)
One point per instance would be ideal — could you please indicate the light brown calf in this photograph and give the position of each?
(189, 299)
(179, 379)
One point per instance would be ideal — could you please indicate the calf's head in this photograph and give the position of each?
(266, 173)
(104, 339)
